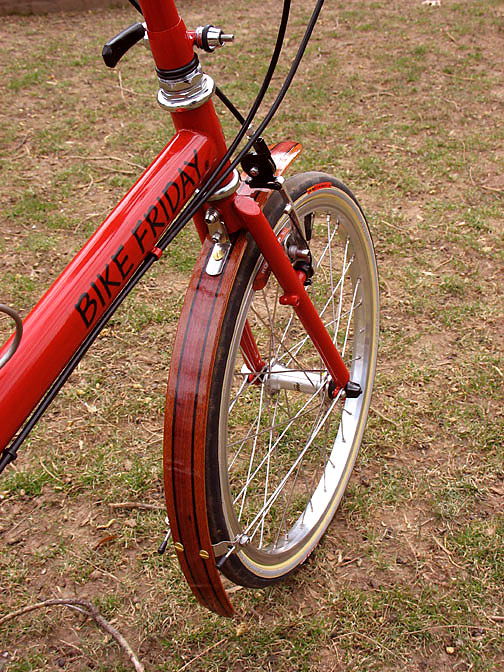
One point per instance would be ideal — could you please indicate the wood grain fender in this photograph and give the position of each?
(185, 424)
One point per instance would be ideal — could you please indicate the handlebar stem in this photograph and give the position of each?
(171, 44)
(185, 90)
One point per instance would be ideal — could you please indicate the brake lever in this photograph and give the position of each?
(116, 47)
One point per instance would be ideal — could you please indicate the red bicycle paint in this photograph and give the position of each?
(281, 314)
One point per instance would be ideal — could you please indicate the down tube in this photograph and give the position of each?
(61, 320)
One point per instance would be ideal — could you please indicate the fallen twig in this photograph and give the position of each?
(89, 610)
(121, 86)
(18, 147)
(384, 417)
(495, 618)
(136, 505)
(392, 226)
(443, 548)
(450, 626)
(103, 571)
(202, 653)
(355, 633)
(105, 158)
(53, 476)
(116, 170)
(344, 563)
(378, 93)
(494, 189)
(482, 185)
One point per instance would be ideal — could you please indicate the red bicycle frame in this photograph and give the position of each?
(63, 319)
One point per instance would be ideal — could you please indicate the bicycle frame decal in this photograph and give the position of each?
(61, 320)
(258, 388)
(145, 234)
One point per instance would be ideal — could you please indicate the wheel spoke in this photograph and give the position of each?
(297, 346)
(333, 307)
(341, 293)
(268, 462)
(276, 443)
(289, 447)
(278, 490)
(251, 461)
(284, 347)
(350, 313)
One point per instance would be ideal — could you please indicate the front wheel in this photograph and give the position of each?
(279, 449)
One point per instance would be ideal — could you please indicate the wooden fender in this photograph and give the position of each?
(185, 425)
(187, 408)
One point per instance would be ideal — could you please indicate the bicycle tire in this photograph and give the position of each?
(243, 481)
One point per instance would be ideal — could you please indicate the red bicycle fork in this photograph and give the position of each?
(251, 218)
(172, 47)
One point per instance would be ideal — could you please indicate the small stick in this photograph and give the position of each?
(117, 170)
(495, 618)
(136, 505)
(494, 189)
(443, 548)
(137, 93)
(450, 626)
(344, 563)
(121, 86)
(72, 646)
(396, 228)
(18, 147)
(384, 417)
(452, 102)
(209, 648)
(23, 520)
(378, 93)
(374, 641)
(483, 186)
(56, 478)
(90, 610)
(103, 571)
(101, 158)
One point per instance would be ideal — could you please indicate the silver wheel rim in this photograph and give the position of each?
(285, 455)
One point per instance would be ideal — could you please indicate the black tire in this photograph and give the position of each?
(283, 427)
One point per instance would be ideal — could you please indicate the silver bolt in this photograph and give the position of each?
(211, 216)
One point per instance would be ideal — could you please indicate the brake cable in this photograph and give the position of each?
(215, 180)
(10, 453)
(136, 6)
(230, 106)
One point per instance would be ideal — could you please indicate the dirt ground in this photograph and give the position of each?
(403, 101)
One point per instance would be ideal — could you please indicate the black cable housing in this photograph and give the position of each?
(210, 185)
(230, 106)
(218, 177)
(136, 6)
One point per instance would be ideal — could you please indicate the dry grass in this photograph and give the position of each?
(402, 101)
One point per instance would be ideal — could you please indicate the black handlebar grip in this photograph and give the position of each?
(115, 48)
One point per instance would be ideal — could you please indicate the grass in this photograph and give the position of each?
(405, 106)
